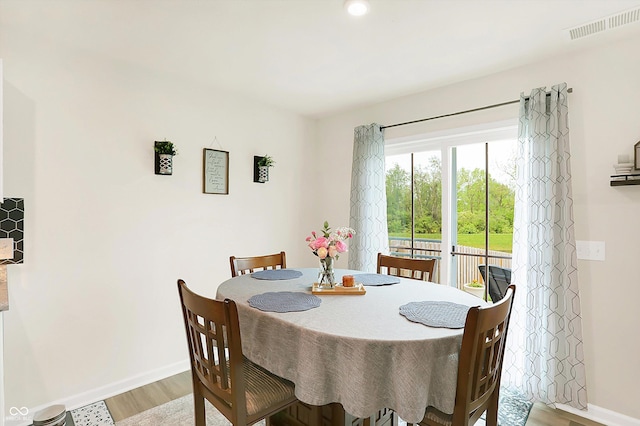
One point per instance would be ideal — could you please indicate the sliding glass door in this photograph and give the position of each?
(451, 198)
(482, 231)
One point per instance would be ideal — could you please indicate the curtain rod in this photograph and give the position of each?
(569, 90)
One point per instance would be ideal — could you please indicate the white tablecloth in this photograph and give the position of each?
(355, 350)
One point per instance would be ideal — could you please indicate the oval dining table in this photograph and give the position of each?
(354, 350)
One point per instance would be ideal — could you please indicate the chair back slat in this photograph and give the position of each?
(205, 347)
(418, 269)
(248, 265)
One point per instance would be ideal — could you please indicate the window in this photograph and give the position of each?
(453, 190)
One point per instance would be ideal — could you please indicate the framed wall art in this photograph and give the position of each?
(636, 156)
(215, 175)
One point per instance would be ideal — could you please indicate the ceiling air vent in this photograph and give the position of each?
(604, 24)
(624, 18)
(588, 29)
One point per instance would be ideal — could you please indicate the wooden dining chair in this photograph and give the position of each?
(242, 391)
(247, 265)
(479, 366)
(419, 269)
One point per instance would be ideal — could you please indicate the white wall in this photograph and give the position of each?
(603, 119)
(95, 302)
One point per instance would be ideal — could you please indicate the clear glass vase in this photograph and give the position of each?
(326, 277)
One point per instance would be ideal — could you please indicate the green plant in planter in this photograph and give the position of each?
(165, 147)
(475, 284)
(266, 161)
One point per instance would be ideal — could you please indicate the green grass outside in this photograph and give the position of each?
(498, 242)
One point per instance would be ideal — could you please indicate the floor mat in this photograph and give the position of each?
(513, 408)
(96, 414)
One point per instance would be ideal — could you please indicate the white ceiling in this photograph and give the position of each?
(309, 56)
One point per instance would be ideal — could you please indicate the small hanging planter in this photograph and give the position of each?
(166, 164)
(261, 168)
(165, 151)
(263, 174)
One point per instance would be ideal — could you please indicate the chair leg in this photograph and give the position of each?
(199, 410)
(492, 410)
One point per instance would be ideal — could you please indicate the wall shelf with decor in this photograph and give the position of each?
(623, 180)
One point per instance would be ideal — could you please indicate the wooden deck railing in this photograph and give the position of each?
(467, 265)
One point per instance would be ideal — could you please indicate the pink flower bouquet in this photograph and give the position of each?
(328, 248)
(331, 243)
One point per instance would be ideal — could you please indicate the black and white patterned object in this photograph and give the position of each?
(12, 226)
(276, 274)
(436, 314)
(513, 408)
(284, 301)
(96, 414)
(376, 279)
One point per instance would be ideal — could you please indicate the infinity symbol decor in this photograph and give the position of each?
(14, 411)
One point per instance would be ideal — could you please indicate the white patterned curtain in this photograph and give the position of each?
(544, 355)
(368, 215)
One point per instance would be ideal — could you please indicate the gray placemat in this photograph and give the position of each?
(436, 314)
(276, 274)
(284, 301)
(376, 279)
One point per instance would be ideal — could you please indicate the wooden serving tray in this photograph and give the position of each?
(357, 289)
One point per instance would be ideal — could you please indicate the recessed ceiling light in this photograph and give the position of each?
(357, 7)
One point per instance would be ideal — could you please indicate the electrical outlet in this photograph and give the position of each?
(590, 250)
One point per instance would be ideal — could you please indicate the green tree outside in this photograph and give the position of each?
(470, 203)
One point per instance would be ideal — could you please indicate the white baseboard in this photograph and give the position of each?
(104, 392)
(601, 415)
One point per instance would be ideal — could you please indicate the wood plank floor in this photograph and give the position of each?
(143, 398)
